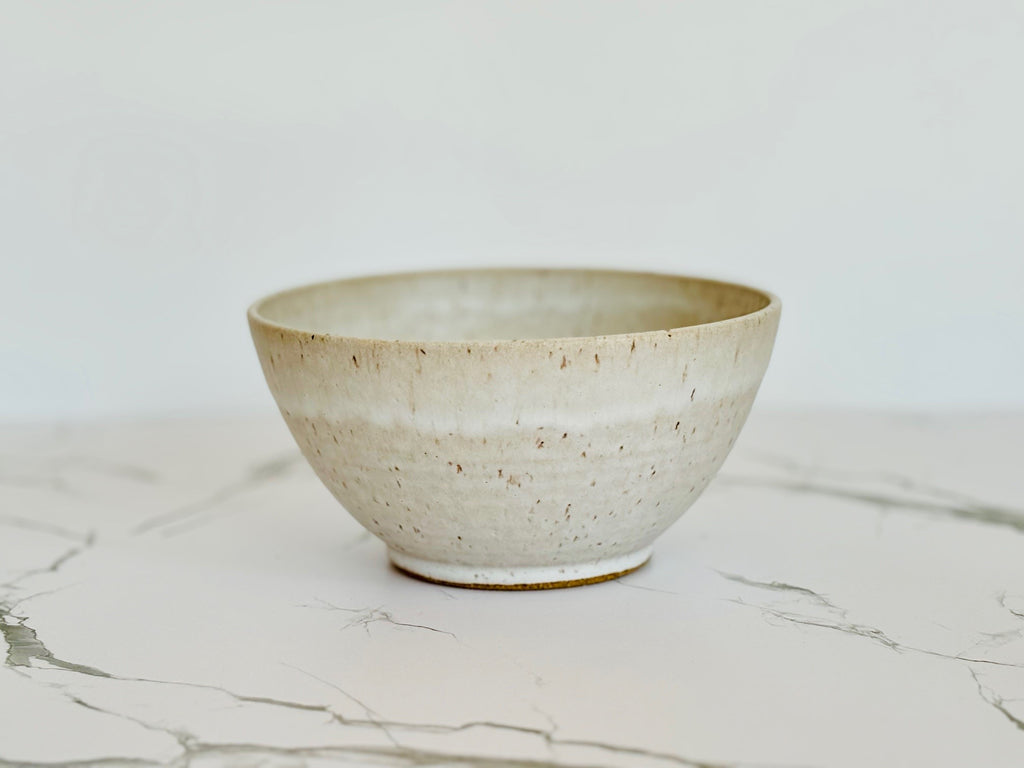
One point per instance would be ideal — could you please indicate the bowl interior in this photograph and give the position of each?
(507, 304)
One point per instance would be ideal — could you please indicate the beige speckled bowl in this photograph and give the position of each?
(516, 428)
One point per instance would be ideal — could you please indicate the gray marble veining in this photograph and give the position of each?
(849, 592)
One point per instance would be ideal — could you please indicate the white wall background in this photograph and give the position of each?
(163, 164)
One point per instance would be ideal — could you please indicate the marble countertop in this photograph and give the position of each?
(848, 592)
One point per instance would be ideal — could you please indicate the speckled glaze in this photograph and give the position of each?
(516, 428)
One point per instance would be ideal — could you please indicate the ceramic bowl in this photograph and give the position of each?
(516, 428)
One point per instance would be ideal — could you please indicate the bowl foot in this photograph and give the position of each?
(523, 577)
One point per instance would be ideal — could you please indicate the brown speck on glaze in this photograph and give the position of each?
(694, 392)
(564, 362)
(565, 435)
(597, 359)
(458, 469)
(355, 361)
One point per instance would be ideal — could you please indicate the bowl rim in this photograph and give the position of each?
(773, 305)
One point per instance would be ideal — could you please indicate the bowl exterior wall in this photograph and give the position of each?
(518, 453)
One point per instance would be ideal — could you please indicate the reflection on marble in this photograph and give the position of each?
(849, 592)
